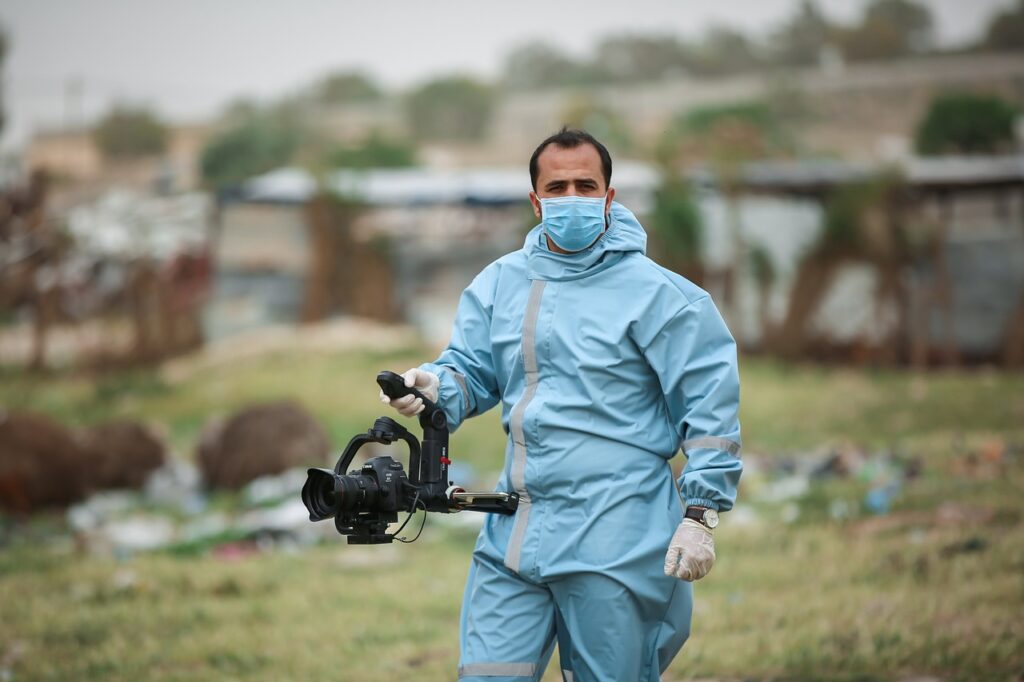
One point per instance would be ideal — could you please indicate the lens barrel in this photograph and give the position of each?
(327, 493)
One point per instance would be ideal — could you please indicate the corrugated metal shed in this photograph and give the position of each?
(816, 176)
(422, 186)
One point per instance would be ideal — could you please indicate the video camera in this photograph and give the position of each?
(364, 501)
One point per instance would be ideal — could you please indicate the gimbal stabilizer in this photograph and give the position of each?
(366, 500)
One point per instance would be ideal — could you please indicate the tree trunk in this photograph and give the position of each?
(890, 288)
(323, 253)
(812, 281)
(943, 291)
(1013, 344)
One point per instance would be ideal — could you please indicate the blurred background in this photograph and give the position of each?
(218, 221)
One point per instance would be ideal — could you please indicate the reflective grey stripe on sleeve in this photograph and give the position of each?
(712, 443)
(460, 379)
(497, 670)
(518, 475)
(567, 676)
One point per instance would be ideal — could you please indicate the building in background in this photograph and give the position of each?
(438, 228)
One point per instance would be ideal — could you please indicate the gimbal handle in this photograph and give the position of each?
(432, 467)
(394, 387)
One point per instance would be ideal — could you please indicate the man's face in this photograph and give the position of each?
(563, 172)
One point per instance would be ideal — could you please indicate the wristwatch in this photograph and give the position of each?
(708, 517)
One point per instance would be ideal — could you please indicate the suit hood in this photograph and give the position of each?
(623, 236)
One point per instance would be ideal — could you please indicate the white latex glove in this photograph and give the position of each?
(425, 382)
(691, 554)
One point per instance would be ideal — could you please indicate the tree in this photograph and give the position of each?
(913, 21)
(345, 87)
(733, 133)
(726, 137)
(450, 108)
(861, 223)
(889, 29)
(967, 124)
(585, 113)
(677, 229)
(762, 268)
(633, 58)
(256, 145)
(724, 51)
(376, 151)
(1006, 29)
(801, 40)
(539, 65)
(129, 133)
(3, 55)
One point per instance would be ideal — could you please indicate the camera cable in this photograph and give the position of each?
(415, 503)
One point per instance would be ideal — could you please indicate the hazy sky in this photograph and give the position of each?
(186, 58)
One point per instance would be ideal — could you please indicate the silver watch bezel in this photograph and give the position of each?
(710, 518)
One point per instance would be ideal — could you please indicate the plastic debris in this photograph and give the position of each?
(275, 487)
(138, 534)
(176, 484)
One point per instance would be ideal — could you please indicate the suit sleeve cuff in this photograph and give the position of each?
(701, 502)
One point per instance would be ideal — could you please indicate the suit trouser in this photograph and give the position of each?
(604, 629)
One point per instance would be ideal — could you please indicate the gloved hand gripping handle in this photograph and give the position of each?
(433, 465)
(394, 387)
(433, 470)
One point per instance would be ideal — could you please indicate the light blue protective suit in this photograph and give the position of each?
(605, 365)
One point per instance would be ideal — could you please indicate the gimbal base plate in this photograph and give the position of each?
(375, 539)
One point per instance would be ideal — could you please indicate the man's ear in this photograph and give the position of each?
(608, 200)
(535, 201)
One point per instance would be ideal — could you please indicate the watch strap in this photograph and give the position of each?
(695, 513)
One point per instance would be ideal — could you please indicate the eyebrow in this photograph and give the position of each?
(561, 183)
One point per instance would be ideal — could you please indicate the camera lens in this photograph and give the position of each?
(326, 493)
(357, 492)
(319, 494)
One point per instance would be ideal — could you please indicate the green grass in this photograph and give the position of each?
(784, 407)
(912, 593)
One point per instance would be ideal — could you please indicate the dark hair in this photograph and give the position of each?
(570, 138)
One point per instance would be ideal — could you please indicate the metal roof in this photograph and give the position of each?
(926, 173)
(424, 186)
(419, 186)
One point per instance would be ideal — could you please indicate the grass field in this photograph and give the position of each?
(924, 590)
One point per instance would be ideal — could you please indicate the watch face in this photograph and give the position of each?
(710, 518)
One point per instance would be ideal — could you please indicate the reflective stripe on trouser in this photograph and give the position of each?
(514, 670)
(605, 631)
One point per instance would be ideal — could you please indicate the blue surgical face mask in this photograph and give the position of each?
(573, 223)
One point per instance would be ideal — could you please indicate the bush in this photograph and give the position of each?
(128, 133)
(451, 108)
(255, 146)
(967, 124)
(376, 151)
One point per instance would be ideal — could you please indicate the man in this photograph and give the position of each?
(605, 364)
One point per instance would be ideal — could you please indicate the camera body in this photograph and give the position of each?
(365, 501)
(369, 499)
